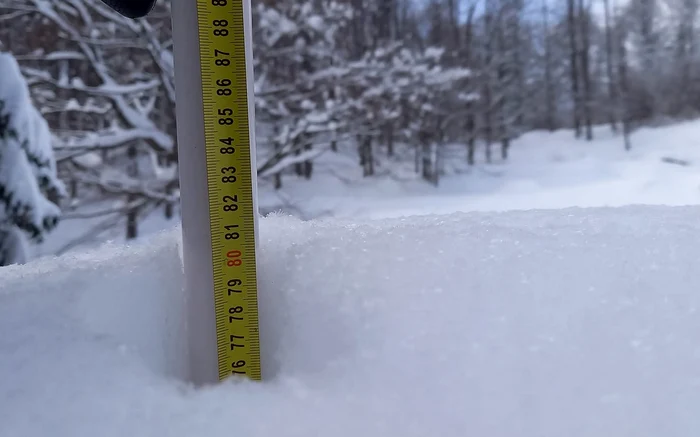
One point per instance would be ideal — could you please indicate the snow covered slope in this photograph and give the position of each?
(524, 324)
(545, 170)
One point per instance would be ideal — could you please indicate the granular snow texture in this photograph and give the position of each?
(579, 322)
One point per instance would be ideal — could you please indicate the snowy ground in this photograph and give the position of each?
(578, 322)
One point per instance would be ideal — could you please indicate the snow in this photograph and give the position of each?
(578, 322)
(434, 52)
(275, 25)
(316, 22)
(88, 160)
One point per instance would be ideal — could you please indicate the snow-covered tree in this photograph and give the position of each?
(312, 94)
(29, 186)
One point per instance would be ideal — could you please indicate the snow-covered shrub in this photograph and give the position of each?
(29, 185)
(296, 42)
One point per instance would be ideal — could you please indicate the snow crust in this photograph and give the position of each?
(578, 322)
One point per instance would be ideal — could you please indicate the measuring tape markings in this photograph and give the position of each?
(230, 182)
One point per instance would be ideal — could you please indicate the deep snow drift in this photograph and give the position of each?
(524, 324)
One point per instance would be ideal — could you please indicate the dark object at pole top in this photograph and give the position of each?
(131, 8)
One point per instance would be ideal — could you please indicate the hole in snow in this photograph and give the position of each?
(134, 298)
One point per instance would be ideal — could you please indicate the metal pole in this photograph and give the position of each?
(197, 253)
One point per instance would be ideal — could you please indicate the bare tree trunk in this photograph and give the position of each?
(334, 141)
(278, 149)
(384, 23)
(370, 156)
(367, 158)
(468, 48)
(389, 135)
(488, 151)
(685, 52)
(171, 186)
(132, 213)
(426, 158)
(453, 11)
(361, 149)
(647, 10)
(169, 206)
(298, 166)
(417, 160)
(436, 31)
(308, 164)
(74, 188)
(624, 90)
(503, 87)
(505, 147)
(548, 79)
(471, 138)
(612, 93)
(469, 33)
(488, 92)
(358, 27)
(438, 163)
(585, 51)
(573, 67)
(488, 135)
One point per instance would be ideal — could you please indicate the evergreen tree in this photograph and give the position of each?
(29, 186)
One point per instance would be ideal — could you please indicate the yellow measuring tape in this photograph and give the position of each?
(230, 173)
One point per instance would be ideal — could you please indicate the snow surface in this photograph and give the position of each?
(579, 322)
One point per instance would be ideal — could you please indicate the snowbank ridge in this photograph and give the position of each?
(580, 322)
